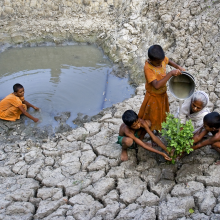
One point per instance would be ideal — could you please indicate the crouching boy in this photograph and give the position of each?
(132, 132)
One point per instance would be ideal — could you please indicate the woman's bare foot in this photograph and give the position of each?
(124, 155)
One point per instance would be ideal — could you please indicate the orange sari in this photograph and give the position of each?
(9, 107)
(155, 104)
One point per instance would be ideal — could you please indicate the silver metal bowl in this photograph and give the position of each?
(183, 86)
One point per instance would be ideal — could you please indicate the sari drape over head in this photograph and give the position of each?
(197, 117)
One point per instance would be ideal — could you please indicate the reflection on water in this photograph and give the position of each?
(59, 79)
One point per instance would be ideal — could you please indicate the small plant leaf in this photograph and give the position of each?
(180, 140)
(191, 211)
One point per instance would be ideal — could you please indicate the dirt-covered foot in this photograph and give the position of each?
(124, 155)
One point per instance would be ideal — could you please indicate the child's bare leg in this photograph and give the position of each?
(126, 143)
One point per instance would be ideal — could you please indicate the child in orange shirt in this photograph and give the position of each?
(155, 104)
(13, 105)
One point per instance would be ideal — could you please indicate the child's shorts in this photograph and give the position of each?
(133, 146)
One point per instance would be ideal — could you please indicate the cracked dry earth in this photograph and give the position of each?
(78, 175)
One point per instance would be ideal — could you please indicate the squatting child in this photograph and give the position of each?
(13, 105)
(211, 124)
(132, 132)
(155, 104)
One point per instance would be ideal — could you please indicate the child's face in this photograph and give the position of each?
(156, 63)
(20, 92)
(136, 125)
(207, 128)
(196, 106)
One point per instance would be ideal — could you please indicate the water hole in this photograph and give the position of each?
(57, 79)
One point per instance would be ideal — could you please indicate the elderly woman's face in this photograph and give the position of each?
(196, 106)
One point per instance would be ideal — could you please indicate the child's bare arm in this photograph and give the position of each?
(158, 84)
(30, 105)
(27, 114)
(173, 64)
(199, 135)
(154, 138)
(144, 145)
(209, 141)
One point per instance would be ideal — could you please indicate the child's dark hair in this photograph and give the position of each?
(156, 52)
(17, 86)
(129, 117)
(212, 120)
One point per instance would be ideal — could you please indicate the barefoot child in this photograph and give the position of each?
(155, 104)
(211, 124)
(132, 132)
(13, 105)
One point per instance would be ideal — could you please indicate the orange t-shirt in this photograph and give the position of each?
(9, 107)
(158, 73)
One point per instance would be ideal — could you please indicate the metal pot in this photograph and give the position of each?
(183, 86)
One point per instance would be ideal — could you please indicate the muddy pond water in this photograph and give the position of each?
(57, 79)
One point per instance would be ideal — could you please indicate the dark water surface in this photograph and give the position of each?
(58, 79)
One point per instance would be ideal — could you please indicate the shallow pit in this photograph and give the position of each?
(73, 78)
